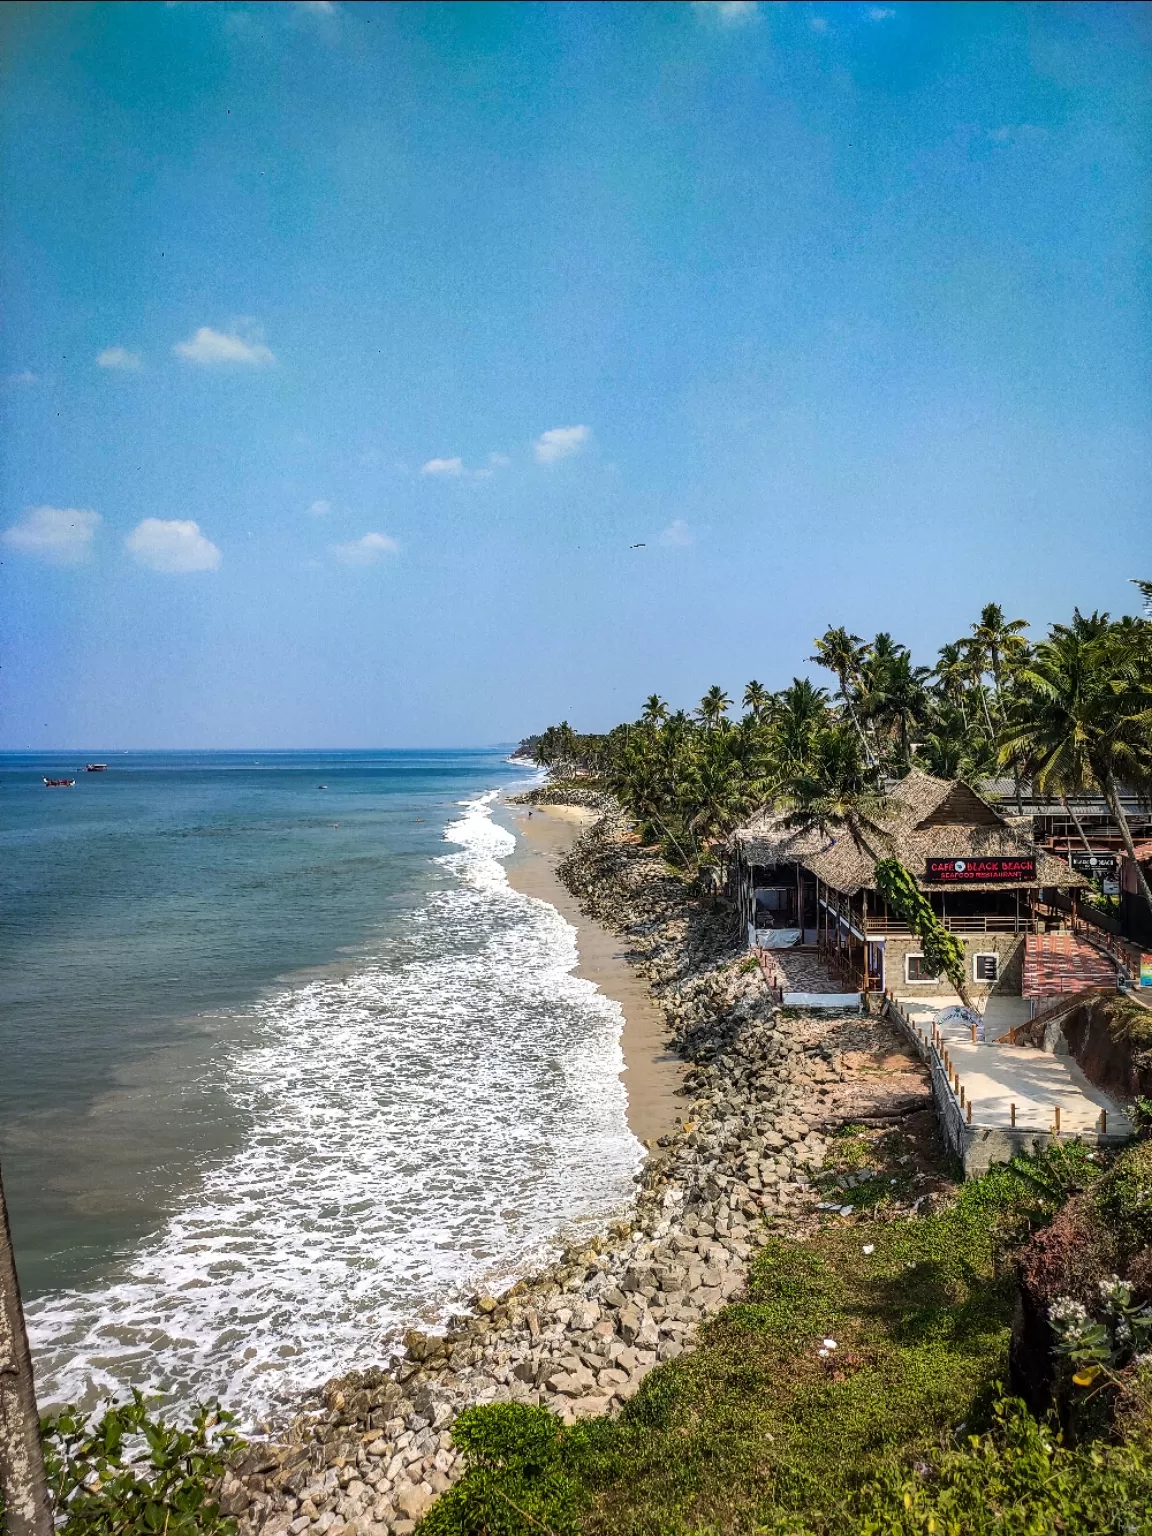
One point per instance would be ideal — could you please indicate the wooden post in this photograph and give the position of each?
(1013, 1121)
(969, 1111)
(1103, 1122)
(961, 1096)
(973, 1034)
(23, 1485)
(1057, 1119)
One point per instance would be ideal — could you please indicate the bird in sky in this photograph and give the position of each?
(637, 546)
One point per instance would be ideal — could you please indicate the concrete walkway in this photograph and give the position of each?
(996, 1078)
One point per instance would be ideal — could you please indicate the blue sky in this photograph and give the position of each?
(349, 347)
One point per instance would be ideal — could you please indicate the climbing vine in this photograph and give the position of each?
(943, 951)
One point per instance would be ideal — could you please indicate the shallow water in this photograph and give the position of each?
(375, 1132)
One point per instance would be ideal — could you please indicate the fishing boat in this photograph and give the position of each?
(96, 768)
(60, 783)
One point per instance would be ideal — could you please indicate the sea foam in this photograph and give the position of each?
(431, 1118)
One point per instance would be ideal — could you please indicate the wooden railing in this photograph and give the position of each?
(1006, 923)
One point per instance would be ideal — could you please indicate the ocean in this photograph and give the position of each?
(286, 1066)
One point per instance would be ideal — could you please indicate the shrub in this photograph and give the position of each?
(517, 1480)
(128, 1473)
(1124, 1198)
(1020, 1477)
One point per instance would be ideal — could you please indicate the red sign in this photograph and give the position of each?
(1012, 870)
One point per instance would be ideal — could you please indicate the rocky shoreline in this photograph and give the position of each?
(372, 1452)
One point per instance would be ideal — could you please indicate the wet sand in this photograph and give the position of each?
(652, 1072)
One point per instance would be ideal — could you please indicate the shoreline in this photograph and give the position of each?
(653, 1073)
(371, 1451)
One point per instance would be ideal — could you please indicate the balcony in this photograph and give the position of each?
(879, 927)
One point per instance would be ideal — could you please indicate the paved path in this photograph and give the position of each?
(994, 1077)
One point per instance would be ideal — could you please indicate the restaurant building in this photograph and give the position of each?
(979, 867)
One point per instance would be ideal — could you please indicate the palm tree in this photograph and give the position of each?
(757, 700)
(951, 674)
(843, 654)
(1084, 716)
(713, 707)
(801, 710)
(896, 699)
(1000, 642)
(837, 791)
(655, 710)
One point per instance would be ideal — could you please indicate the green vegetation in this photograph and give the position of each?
(1073, 713)
(134, 1475)
(943, 952)
(855, 1390)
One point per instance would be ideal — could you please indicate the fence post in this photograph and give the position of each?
(1013, 1111)
(1057, 1110)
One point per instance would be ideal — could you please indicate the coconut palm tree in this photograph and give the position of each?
(713, 707)
(655, 710)
(896, 700)
(952, 675)
(757, 700)
(801, 710)
(1084, 716)
(836, 791)
(1000, 644)
(844, 654)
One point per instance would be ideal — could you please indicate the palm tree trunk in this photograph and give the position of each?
(1112, 795)
(1076, 819)
(23, 1485)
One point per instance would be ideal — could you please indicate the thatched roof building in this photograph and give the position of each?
(931, 823)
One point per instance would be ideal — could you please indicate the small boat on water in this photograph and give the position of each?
(96, 768)
(60, 783)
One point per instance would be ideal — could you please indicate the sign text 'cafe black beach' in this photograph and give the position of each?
(1012, 870)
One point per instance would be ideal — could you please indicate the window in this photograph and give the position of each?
(985, 967)
(916, 969)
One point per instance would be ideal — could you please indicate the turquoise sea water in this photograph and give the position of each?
(281, 1066)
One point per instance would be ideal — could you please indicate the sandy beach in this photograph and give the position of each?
(652, 1073)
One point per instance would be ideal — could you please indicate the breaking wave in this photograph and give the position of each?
(424, 1120)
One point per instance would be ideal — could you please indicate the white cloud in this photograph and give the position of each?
(171, 546)
(25, 376)
(210, 349)
(120, 357)
(367, 550)
(320, 509)
(728, 13)
(880, 13)
(819, 23)
(60, 535)
(443, 467)
(499, 460)
(316, 7)
(560, 443)
(677, 535)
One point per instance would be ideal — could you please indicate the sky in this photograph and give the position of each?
(348, 350)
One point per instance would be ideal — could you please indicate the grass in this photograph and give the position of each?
(767, 1429)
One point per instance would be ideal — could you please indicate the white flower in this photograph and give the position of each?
(830, 1344)
(869, 1247)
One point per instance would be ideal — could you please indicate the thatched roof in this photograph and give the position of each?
(928, 818)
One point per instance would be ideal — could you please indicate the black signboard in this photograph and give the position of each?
(1011, 870)
(1100, 866)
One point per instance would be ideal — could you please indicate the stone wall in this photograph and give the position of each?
(1008, 946)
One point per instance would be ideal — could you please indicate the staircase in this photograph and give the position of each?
(1061, 964)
